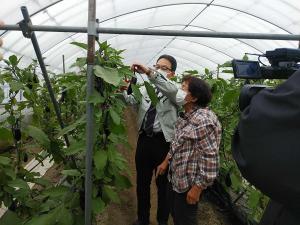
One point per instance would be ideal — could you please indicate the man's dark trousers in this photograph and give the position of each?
(150, 152)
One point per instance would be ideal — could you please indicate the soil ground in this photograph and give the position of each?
(125, 213)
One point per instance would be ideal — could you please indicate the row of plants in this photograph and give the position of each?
(63, 203)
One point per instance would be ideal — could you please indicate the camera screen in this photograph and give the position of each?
(246, 69)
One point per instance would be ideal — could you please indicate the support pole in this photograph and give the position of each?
(181, 33)
(28, 33)
(92, 32)
(64, 66)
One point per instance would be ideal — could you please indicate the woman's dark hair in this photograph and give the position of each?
(171, 59)
(198, 89)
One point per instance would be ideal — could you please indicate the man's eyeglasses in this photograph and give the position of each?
(163, 68)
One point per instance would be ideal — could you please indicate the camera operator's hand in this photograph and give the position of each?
(140, 69)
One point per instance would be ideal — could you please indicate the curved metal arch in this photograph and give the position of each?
(166, 5)
(170, 25)
(208, 30)
(192, 53)
(152, 7)
(194, 42)
(193, 3)
(185, 60)
(76, 54)
(178, 57)
(215, 49)
(22, 55)
(187, 50)
(36, 12)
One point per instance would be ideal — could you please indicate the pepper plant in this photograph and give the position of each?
(62, 203)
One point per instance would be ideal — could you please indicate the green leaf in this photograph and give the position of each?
(110, 195)
(10, 218)
(46, 206)
(109, 75)
(45, 219)
(80, 62)
(78, 218)
(230, 97)
(253, 199)
(98, 205)
(151, 93)
(38, 135)
(18, 183)
(64, 216)
(96, 98)
(227, 71)
(226, 64)
(56, 192)
(236, 182)
(1, 95)
(136, 92)
(11, 120)
(122, 181)
(245, 57)
(115, 117)
(9, 172)
(100, 159)
(72, 173)
(42, 182)
(72, 126)
(16, 86)
(4, 160)
(75, 148)
(13, 60)
(206, 71)
(81, 45)
(191, 72)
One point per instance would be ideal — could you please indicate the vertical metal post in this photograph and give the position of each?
(92, 32)
(30, 34)
(64, 66)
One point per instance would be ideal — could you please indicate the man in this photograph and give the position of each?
(193, 158)
(156, 130)
(266, 149)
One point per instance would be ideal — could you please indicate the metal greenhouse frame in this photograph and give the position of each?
(93, 30)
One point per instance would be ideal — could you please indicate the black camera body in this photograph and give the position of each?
(284, 62)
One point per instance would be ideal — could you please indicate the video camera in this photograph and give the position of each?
(284, 62)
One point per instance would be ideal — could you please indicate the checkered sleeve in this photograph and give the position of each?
(207, 144)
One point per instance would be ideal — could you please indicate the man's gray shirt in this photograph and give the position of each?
(167, 107)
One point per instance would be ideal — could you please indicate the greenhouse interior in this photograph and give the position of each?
(217, 82)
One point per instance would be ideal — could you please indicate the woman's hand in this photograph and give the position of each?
(162, 168)
(193, 195)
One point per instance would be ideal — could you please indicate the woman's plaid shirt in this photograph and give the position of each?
(194, 157)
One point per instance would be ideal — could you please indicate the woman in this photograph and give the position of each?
(193, 158)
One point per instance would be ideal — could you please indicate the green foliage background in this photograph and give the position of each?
(62, 203)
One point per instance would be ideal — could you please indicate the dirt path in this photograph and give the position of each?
(125, 213)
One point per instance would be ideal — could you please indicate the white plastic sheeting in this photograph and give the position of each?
(251, 16)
